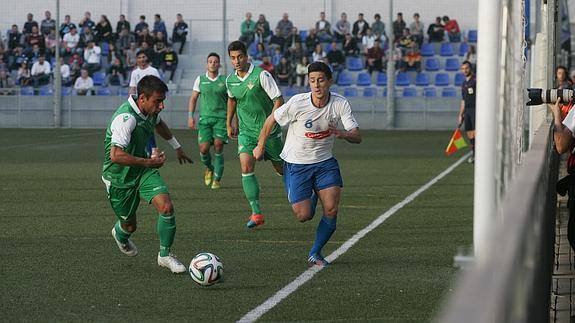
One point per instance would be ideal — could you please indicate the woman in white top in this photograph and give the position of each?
(318, 54)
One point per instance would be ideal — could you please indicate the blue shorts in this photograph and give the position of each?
(301, 179)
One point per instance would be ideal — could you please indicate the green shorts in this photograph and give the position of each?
(210, 128)
(125, 201)
(274, 146)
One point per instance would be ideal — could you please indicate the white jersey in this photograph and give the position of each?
(308, 138)
(139, 73)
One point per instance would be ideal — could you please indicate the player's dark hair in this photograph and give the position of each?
(237, 46)
(150, 84)
(214, 55)
(468, 63)
(320, 67)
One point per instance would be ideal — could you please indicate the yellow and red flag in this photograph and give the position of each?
(457, 142)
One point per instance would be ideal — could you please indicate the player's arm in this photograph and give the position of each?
(120, 157)
(351, 133)
(267, 128)
(165, 132)
(192, 109)
(353, 136)
(562, 135)
(461, 111)
(230, 123)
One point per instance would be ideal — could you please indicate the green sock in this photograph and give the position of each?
(166, 230)
(121, 234)
(207, 160)
(252, 191)
(218, 166)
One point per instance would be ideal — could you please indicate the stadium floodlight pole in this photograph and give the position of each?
(57, 74)
(485, 192)
(391, 72)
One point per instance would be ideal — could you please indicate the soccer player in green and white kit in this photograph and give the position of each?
(211, 90)
(253, 94)
(129, 176)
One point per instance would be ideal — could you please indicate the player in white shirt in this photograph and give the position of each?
(310, 170)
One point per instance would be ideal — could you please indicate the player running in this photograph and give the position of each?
(310, 170)
(211, 90)
(253, 94)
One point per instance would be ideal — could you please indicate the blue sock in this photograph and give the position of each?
(325, 229)
(313, 199)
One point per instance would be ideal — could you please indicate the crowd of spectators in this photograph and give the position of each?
(284, 50)
(27, 57)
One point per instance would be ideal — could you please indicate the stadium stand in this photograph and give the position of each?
(431, 64)
(449, 92)
(452, 64)
(422, 79)
(429, 92)
(472, 36)
(441, 79)
(402, 79)
(409, 92)
(446, 49)
(369, 92)
(381, 79)
(363, 79)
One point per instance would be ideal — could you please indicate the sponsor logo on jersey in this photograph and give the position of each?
(126, 117)
(318, 135)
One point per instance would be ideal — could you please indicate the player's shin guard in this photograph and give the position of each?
(218, 166)
(121, 234)
(252, 191)
(166, 227)
(207, 160)
(325, 229)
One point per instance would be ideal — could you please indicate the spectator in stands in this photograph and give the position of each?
(125, 38)
(342, 27)
(143, 68)
(350, 47)
(6, 83)
(121, 24)
(113, 53)
(76, 62)
(311, 41)
(368, 41)
(562, 80)
(323, 28)
(406, 41)
(336, 60)
(47, 24)
(396, 56)
(14, 39)
(71, 43)
(248, 30)
(573, 78)
(471, 57)
(50, 43)
(103, 30)
(318, 54)
(65, 72)
(301, 71)
(259, 54)
(398, 26)
(276, 56)
(160, 45)
(436, 31)
(284, 72)
(86, 36)
(277, 40)
(169, 63)
(292, 39)
(131, 57)
(86, 22)
(84, 85)
(359, 29)
(263, 30)
(141, 25)
(40, 72)
(145, 37)
(34, 38)
(92, 55)
(267, 65)
(412, 60)
(378, 28)
(3, 62)
(179, 34)
(17, 58)
(452, 28)
(66, 26)
(294, 54)
(30, 22)
(35, 53)
(116, 75)
(416, 29)
(285, 26)
(159, 26)
(24, 74)
(150, 54)
(375, 58)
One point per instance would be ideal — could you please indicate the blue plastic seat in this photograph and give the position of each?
(354, 64)
(105, 48)
(422, 79)
(303, 34)
(446, 50)
(291, 91)
(105, 91)
(463, 48)
(429, 92)
(381, 79)
(409, 92)
(66, 91)
(27, 90)
(369, 92)
(449, 92)
(99, 78)
(427, 50)
(363, 79)
(432, 64)
(253, 49)
(459, 78)
(452, 64)
(472, 36)
(344, 79)
(402, 79)
(46, 90)
(441, 79)
(124, 92)
(350, 92)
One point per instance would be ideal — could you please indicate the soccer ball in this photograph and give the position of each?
(206, 269)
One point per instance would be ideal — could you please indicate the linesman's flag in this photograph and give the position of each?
(457, 142)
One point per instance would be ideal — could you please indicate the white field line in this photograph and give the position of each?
(271, 302)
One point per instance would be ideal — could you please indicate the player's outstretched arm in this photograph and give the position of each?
(269, 125)
(230, 124)
(192, 108)
(163, 130)
(120, 157)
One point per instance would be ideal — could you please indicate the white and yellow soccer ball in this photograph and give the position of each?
(206, 269)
